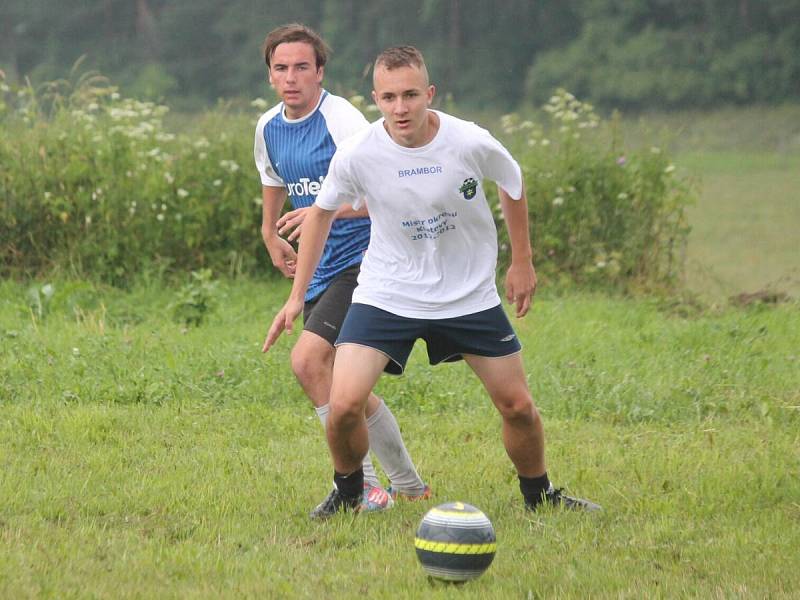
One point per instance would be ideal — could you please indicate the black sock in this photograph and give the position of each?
(352, 484)
(533, 488)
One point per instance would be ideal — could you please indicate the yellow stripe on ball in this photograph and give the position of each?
(449, 548)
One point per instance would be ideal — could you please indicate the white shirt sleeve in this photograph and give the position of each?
(342, 118)
(339, 186)
(265, 171)
(498, 165)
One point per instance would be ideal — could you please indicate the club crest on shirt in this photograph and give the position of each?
(469, 188)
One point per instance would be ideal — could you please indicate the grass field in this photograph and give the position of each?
(746, 225)
(141, 459)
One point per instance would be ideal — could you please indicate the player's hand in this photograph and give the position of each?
(292, 223)
(283, 322)
(283, 256)
(521, 286)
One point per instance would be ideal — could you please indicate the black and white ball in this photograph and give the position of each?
(455, 542)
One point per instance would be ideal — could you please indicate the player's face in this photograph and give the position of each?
(403, 96)
(295, 77)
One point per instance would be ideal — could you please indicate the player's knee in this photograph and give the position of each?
(308, 366)
(346, 411)
(517, 407)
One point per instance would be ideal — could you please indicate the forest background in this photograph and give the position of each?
(626, 54)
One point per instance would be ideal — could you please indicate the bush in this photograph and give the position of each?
(94, 184)
(195, 300)
(599, 215)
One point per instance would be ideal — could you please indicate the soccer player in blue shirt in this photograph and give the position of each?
(294, 143)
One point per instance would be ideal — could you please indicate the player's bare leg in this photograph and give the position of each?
(523, 432)
(348, 438)
(312, 363)
(356, 370)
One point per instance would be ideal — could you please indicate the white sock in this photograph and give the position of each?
(370, 476)
(387, 444)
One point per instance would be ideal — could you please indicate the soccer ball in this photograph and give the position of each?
(455, 542)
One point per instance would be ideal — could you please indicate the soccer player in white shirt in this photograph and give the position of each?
(294, 143)
(428, 273)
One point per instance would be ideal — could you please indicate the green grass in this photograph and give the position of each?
(142, 459)
(746, 226)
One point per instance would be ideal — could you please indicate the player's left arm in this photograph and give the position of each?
(318, 225)
(520, 283)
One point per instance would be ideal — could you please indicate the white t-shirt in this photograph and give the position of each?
(433, 250)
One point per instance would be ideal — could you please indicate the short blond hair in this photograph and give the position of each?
(400, 56)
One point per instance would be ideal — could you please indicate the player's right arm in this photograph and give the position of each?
(280, 251)
(316, 226)
(291, 223)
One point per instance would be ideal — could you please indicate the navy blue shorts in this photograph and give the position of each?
(485, 333)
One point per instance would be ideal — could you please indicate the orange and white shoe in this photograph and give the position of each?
(398, 495)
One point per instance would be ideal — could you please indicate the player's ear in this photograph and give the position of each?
(269, 77)
(431, 93)
(320, 73)
(375, 97)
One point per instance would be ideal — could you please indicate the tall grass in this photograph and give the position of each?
(601, 213)
(93, 184)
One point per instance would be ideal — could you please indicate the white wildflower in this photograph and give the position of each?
(229, 165)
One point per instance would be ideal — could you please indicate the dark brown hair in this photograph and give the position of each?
(296, 32)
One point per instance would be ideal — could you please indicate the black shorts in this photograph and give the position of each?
(485, 333)
(325, 314)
